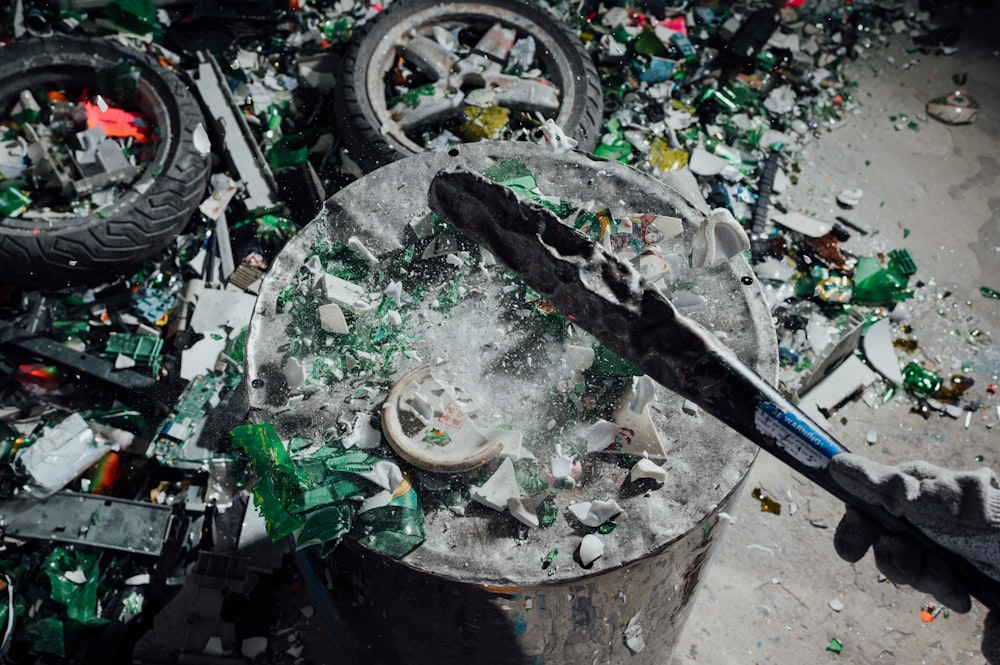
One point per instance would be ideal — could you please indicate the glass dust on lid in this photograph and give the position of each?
(381, 330)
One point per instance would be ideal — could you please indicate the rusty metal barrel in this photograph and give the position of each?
(486, 585)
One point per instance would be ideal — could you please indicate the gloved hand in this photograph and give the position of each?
(959, 510)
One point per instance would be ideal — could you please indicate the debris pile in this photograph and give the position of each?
(137, 383)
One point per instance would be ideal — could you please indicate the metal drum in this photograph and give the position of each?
(483, 587)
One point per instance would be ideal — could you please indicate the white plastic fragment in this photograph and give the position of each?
(332, 319)
(879, 351)
(841, 383)
(647, 468)
(202, 356)
(719, 238)
(137, 580)
(850, 197)
(703, 163)
(499, 488)
(595, 513)
(591, 549)
(871, 437)
(836, 605)
(795, 221)
(689, 408)
(200, 140)
(633, 634)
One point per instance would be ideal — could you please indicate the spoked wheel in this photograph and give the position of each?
(427, 74)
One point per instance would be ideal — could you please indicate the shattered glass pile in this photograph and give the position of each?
(718, 97)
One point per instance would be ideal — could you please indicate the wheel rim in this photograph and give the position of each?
(453, 74)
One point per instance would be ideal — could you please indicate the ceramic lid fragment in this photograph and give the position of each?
(426, 425)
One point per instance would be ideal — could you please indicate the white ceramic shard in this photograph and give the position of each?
(595, 513)
(651, 265)
(599, 435)
(562, 465)
(637, 434)
(499, 488)
(512, 441)
(647, 468)
(331, 318)
(719, 238)
(364, 436)
(344, 293)
(556, 138)
(577, 359)
(521, 512)
(355, 245)
(796, 221)
(591, 549)
(651, 228)
(879, 351)
(633, 634)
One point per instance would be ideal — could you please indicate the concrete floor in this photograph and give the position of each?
(767, 596)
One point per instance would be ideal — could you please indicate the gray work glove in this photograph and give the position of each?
(959, 510)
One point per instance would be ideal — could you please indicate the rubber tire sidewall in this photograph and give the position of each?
(149, 214)
(359, 123)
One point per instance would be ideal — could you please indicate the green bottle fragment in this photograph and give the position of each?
(288, 151)
(607, 527)
(987, 292)
(874, 286)
(979, 458)
(647, 43)
(835, 645)
(549, 558)
(607, 363)
(395, 531)
(550, 512)
(921, 381)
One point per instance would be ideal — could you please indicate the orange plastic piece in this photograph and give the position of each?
(57, 96)
(117, 123)
(926, 616)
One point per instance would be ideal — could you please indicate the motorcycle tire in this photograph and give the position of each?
(149, 212)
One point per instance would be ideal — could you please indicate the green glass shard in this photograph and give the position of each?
(393, 530)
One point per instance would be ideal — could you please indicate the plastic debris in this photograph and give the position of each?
(955, 108)
(835, 645)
